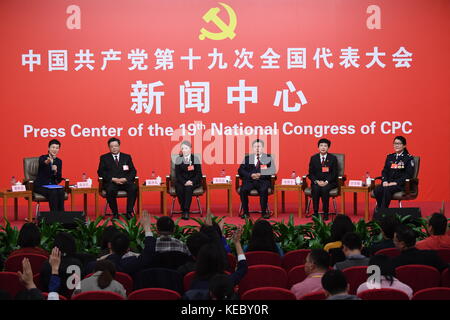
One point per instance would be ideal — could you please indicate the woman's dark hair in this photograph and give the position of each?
(209, 262)
(54, 141)
(215, 236)
(328, 142)
(221, 287)
(108, 273)
(29, 236)
(386, 267)
(341, 225)
(108, 235)
(195, 242)
(406, 234)
(262, 238)
(403, 140)
(65, 243)
(388, 224)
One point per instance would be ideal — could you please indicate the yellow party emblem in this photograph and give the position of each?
(227, 30)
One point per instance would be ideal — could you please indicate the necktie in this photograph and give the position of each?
(116, 159)
(323, 161)
(258, 163)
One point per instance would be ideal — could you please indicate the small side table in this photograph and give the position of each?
(162, 189)
(219, 186)
(5, 194)
(84, 192)
(355, 191)
(283, 189)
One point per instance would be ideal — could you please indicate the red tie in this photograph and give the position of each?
(323, 161)
(258, 163)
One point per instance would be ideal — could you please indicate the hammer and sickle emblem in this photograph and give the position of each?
(227, 30)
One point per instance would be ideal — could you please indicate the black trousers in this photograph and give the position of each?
(184, 195)
(111, 195)
(263, 189)
(318, 192)
(55, 197)
(384, 195)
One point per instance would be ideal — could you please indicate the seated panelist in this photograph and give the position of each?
(398, 167)
(323, 173)
(255, 172)
(50, 173)
(118, 173)
(188, 172)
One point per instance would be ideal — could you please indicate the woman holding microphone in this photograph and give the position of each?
(50, 174)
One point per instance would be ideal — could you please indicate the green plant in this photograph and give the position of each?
(48, 234)
(88, 235)
(320, 233)
(8, 240)
(370, 232)
(289, 236)
(134, 230)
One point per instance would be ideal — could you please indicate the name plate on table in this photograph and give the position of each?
(84, 185)
(18, 188)
(221, 180)
(288, 182)
(355, 183)
(152, 182)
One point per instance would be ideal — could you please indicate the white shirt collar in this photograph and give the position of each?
(256, 157)
(116, 155)
(323, 156)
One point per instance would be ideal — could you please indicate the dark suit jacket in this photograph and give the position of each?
(396, 174)
(131, 265)
(248, 167)
(183, 174)
(416, 256)
(45, 173)
(315, 169)
(107, 168)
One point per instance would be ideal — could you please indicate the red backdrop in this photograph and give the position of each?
(417, 95)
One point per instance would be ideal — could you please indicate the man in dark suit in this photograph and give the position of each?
(188, 173)
(118, 173)
(323, 173)
(255, 172)
(405, 241)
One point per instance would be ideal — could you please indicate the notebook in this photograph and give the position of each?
(53, 186)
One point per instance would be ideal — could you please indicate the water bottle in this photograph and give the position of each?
(293, 175)
(153, 174)
(83, 177)
(222, 173)
(298, 181)
(368, 179)
(13, 180)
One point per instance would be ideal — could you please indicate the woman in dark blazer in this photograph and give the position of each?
(188, 177)
(398, 167)
(50, 173)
